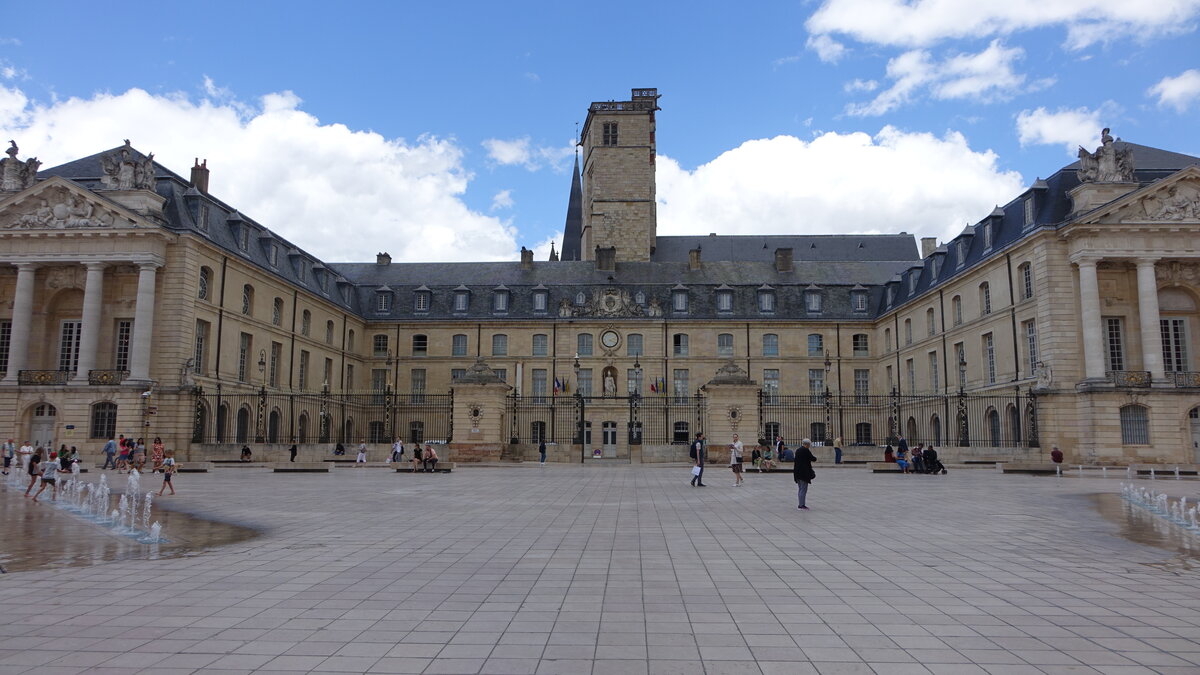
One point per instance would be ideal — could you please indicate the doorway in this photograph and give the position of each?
(1194, 418)
(609, 438)
(41, 427)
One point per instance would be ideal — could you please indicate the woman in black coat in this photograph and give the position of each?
(802, 471)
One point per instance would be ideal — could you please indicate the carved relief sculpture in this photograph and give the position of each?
(124, 171)
(16, 175)
(1178, 202)
(59, 209)
(608, 302)
(1107, 164)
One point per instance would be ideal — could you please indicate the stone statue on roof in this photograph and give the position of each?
(16, 175)
(123, 170)
(1108, 164)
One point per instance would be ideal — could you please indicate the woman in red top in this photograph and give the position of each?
(156, 454)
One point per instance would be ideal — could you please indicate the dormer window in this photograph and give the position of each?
(500, 299)
(813, 301)
(913, 277)
(987, 236)
(934, 266)
(891, 295)
(858, 301)
(679, 299)
(274, 256)
(766, 299)
(725, 300)
(462, 299)
(383, 301)
(244, 239)
(960, 248)
(202, 222)
(1028, 211)
(541, 299)
(422, 299)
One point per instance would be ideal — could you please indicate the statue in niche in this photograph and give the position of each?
(124, 171)
(1107, 164)
(16, 175)
(610, 381)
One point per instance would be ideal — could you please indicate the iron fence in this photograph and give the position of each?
(652, 420)
(321, 417)
(964, 420)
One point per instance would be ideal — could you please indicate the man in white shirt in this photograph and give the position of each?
(397, 451)
(362, 453)
(25, 452)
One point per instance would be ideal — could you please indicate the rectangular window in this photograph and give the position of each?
(725, 344)
(770, 344)
(908, 332)
(812, 301)
(584, 386)
(609, 131)
(380, 345)
(124, 339)
(680, 344)
(417, 384)
(244, 344)
(861, 346)
(68, 345)
(1115, 354)
(766, 301)
(771, 386)
(1028, 211)
(960, 354)
(1027, 281)
(302, 373)
(910, 372)
(724, 301)
(202, 221)
(328, 373)
(891, 381)
(816, 344)
(500, 345)
(634, 377)
(349, 378)
(273, 366)
(1031, 346)
(956, 310)
(541, 344)
(456, 373)
(679, 301)
(500, 301)
(200, 352)
(458, 345)
(989, 357)
(583, 344)
(461, 300)
(383, 302)
(274, 255)
(5, 344)
(934, 381)
(633, 345)
(539, 384)
(1174, 341)
(862, 385)
(422, 302)
(859, 300)
(985, 298)
(680, 385)
(420, 345)
(816, 385)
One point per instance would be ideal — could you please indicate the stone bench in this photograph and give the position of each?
(1166, 469)
(300, 467)
(1029, 468)
(194, 467)
(442, 467)
(884, 467)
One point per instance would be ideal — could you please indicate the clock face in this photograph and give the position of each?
(610, 339)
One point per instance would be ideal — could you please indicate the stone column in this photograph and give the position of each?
(1147, 285)
(1090, 324)
(479, 406)
(22, 318)
(143, 325)
(89, 332)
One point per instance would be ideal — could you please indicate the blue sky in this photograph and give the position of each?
(442, 131)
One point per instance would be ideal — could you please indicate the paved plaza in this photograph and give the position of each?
(569, 569)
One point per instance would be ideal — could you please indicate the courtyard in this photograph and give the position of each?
(620, 569)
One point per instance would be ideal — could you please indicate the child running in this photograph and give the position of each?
(168, 469)
(34, 468)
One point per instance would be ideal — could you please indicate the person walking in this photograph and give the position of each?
(168, 469)
(9, 450)
(542, 451)
(291, 454)
(431, 459)
(398, 451)
(33, 467)
(735, 461)
(110, 454)
(837, 450)
(697, 454)
(802, 472)
(123, 456)
(49, 470)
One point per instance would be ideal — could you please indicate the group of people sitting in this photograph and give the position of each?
(922, 459)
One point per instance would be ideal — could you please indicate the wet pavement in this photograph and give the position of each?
(614, 570)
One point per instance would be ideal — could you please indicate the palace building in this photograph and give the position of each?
(134, 301)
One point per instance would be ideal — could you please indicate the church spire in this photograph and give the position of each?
(573, 229)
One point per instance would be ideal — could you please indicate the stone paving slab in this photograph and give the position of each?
(570, 569)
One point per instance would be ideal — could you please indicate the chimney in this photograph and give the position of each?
(526, 259)
(606, 258)
(694, 259)
(783, 260)
(928, 246)
(200, 176)
(383, 258)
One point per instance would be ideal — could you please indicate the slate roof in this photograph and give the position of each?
(805, 247)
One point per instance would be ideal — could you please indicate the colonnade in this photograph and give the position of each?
(1092, 324)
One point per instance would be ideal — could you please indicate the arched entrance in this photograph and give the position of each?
(243, 424)
(41, 425)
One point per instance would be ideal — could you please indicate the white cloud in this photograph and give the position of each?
(541, 251)
(1178, 92)
(10, 42)
(1068, 127)
(921, 23)
(827, 49)
(522, 152)
(861, 85)
(341, 194)
(836, 183)
(987, 76)
(502, 200)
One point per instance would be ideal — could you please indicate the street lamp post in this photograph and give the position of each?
(259, 436)
(579, 423)
(828, 402)
(635, 401)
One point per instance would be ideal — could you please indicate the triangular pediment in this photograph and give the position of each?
(59, 204)
(1175, 199)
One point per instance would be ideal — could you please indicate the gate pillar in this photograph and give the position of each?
(478, 415)
(732, 408)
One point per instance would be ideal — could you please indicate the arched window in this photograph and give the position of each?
(104, 420)
(935, 426)
(205, 279)
(247, 299)
(420, 345)
(956, 309)
(908, 331)
(348, 430)
(770, 344)
(302, 428)
(273, 427)
(305, 322)
(816, 344)
(931, 322)
(985, 299)
(1135, 425)
(380, 345)
(277, 312)
(725, 344)
(329, 332)
(1025, 271)
(243, 425)
(993, 425)
(350, 341)
(1014, 424)
(222, 423)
